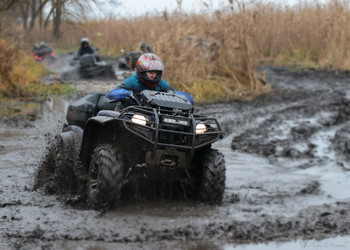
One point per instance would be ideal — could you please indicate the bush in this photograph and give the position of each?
(7, 57)
(20, 74)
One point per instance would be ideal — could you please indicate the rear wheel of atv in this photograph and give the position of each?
(105, 177)
(213, 176)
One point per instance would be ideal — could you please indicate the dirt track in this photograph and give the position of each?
(287, 158)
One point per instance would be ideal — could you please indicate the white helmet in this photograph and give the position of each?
(84, 40)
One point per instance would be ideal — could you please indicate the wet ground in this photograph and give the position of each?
(287, 187)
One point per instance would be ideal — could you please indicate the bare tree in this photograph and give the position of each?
(41, 13)
(37, 7)
(57, 6)
(29, 11)
(6, 4)
(72, 8)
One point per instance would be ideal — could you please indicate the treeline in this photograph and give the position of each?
(31, 14)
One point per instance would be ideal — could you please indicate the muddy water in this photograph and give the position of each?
(287, 180)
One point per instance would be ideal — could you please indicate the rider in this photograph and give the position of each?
(148, 75)
(36, 47)
(42, 45)
(132, 56)
(145, 47)
(85, 47)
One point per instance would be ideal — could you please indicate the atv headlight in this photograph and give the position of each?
(201, 128)
(139, 119)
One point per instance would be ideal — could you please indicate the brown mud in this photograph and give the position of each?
(287, 159)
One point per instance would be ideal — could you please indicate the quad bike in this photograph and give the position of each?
(128, 61)
(156, 139)
(89, 66)
(43, 53)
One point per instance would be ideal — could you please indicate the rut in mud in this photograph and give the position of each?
(286, 157)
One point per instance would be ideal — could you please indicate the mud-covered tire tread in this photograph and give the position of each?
(213, 176)
(68, 176)
(110, 177)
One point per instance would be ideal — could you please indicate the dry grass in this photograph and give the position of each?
(207, 56)
(311, 34)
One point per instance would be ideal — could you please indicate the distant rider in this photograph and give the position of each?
(132, 57)
(35, 47)
(85, 48)
(42, 45)
(145, 47)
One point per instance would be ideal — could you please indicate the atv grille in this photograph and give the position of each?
(162, 127)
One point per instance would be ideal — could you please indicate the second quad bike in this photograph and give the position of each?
(89, 66)
(153, 138)
(128, 61)
(47, 53)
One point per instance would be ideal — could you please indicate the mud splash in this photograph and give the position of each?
(287, 179)
(66, 70)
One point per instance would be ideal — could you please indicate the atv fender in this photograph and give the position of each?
(93, 131)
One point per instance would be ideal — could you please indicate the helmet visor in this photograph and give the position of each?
(155, 66)
(152, 66)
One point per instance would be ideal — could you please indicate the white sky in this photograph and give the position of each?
(132, 8)
(138, 7)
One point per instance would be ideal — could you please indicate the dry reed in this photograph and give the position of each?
(311, 34)
(208, 56)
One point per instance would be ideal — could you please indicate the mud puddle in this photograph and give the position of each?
(340, 243)
(287, 180)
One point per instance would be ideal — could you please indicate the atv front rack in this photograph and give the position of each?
(171, 128)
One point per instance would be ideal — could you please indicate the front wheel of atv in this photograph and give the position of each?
(105, 177)
(213, 176)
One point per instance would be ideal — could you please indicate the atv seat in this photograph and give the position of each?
(104, 104)
(88, 106)
(108, 113)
